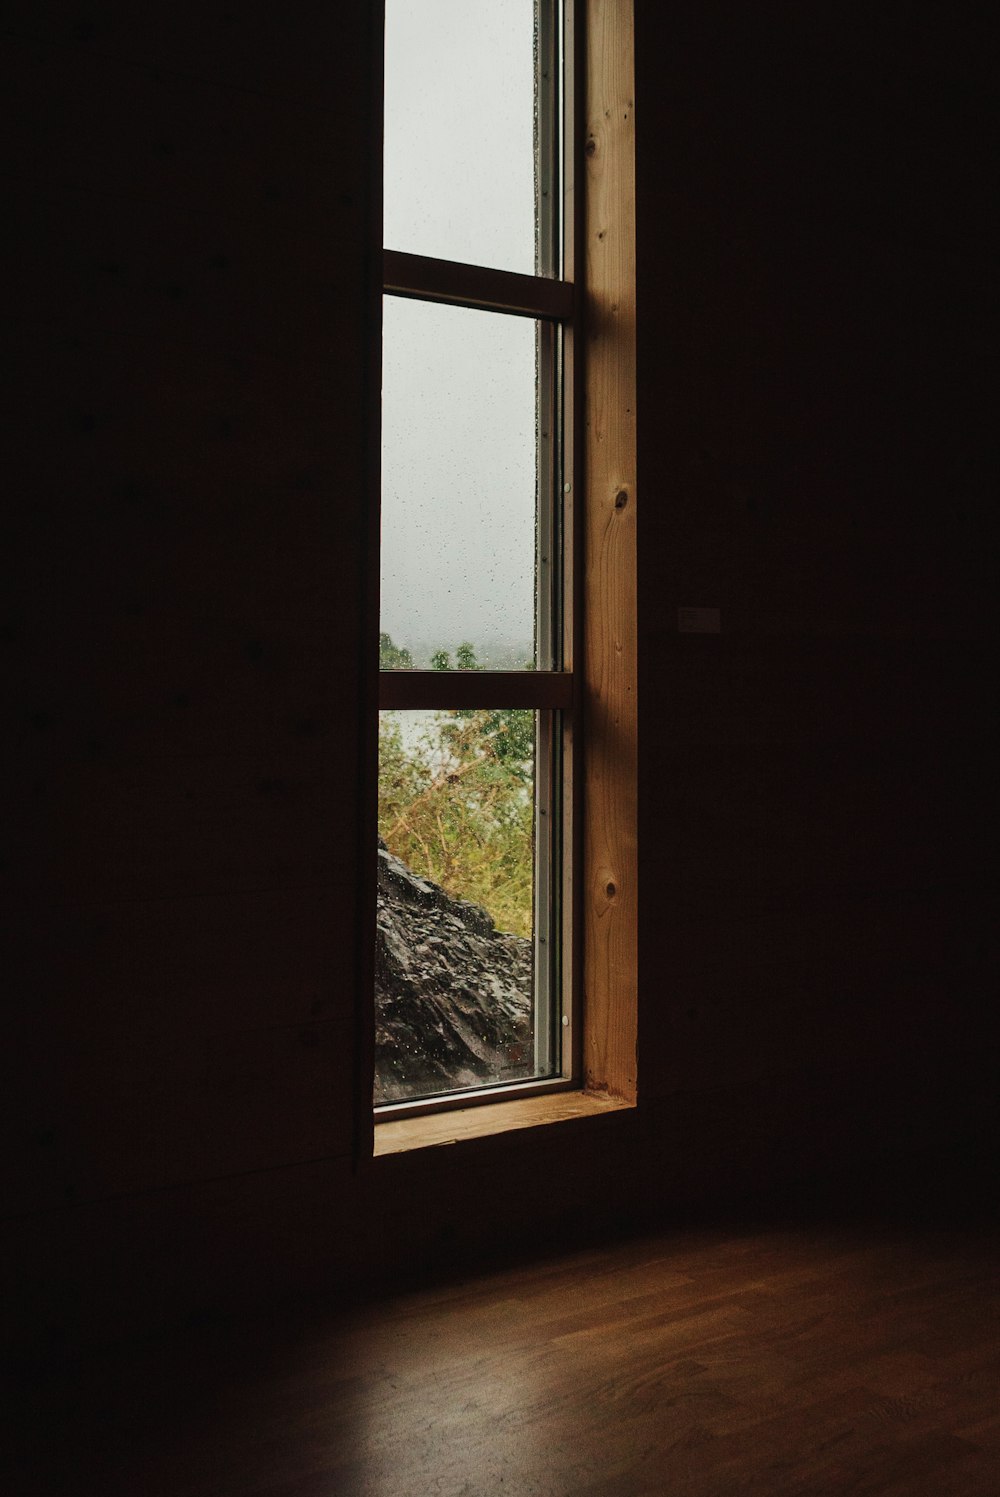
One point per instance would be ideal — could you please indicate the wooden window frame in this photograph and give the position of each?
(603, 948)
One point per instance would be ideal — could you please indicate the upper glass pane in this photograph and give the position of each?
(460, 131)
(459, 487)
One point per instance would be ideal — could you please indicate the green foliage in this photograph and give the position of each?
(391, 657)
(507, 733)
(456, 803)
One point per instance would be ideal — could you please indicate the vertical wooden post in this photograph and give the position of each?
(609, 554)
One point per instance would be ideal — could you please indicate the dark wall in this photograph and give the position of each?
(188, 525)
(190, 198)
(817, 460)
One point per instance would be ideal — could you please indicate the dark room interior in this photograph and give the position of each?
(776, 1273)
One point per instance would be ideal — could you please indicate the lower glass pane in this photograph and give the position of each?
(458, 986)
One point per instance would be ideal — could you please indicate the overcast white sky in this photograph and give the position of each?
(458, 487)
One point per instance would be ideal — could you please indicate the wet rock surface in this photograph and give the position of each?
(452, 993)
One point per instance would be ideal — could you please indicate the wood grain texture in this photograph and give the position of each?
(782, 1363)
(400, 1134)
(609, 884)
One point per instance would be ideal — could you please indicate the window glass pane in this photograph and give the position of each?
(455, 957)
(459, 130)
(459, 485)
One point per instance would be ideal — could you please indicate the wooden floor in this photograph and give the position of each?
(775, 1362)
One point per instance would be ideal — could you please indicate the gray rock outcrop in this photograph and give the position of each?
(452, 993)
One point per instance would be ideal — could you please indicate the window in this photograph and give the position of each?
(506, 873)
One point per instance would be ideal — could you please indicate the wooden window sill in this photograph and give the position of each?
(434, 1129)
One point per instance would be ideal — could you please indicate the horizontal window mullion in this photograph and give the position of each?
(537, 690)
(476, 286)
